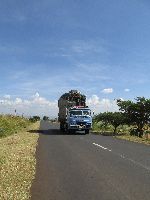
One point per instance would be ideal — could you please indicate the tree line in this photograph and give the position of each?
(135, 113)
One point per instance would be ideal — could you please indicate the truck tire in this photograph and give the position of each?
(72, 131)
(62, 127)
(87, 131)
(67, 131)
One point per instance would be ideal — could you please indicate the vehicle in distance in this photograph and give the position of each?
(73, 114)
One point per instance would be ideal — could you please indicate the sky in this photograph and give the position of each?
(48, 47)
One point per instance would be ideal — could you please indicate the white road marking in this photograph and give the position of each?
(124, 157)
(134, 162)
(102, 147)
(138, 164)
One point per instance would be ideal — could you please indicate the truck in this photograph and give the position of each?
(73, 114)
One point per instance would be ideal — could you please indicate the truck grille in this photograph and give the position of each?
(81, 123)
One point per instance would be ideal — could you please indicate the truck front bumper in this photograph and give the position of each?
(80, 127)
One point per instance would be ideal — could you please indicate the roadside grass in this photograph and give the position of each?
(17, 163)
(123, 132)
(101, 128)
(128, 137)
(10, 124)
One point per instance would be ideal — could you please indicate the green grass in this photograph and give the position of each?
(100, 128)
(10, 124)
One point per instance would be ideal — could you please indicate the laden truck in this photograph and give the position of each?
(73, 114)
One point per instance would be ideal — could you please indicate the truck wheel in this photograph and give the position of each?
(72, 131)
(87, 131)
(68, 131)
(61, 127)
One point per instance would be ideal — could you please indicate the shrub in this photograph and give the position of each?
(34, 119)
(45, 118)
(10, 124)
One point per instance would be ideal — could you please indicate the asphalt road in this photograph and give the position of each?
(89, 167)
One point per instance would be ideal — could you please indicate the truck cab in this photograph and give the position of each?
(79, 119)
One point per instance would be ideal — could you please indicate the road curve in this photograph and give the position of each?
(89, 167)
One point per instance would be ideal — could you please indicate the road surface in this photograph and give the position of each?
(89, 167)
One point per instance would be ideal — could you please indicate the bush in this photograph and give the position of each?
(10, 124)
(134, 132)
(34, 119)
(45, 118)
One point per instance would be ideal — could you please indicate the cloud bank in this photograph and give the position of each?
(101, 105)
(38, 105)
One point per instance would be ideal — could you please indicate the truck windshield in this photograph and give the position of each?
(75, 112)
(86, 112)
(80, 112)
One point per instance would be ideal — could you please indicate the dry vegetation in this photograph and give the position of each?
(17, 164)
(123, 132)
(145, 139)
(10, 124)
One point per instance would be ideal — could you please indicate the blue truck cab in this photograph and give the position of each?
(79, 119)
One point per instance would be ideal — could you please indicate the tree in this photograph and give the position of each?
(34, 118)
(45, 118)
(137, 113)
(115, 119)
(37, 118)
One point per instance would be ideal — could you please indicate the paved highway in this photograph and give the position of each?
(89, 167)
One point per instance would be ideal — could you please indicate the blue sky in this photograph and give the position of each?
(48, 47)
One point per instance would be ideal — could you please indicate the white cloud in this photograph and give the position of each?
(7, 96)
(36, 95)
(101, 105)
(18, 101)
(91, 46)
(121, 99)
(37, 105)
(5, 102)
(94, 100)
(107, 90)
(27, 102)
(127, 90)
